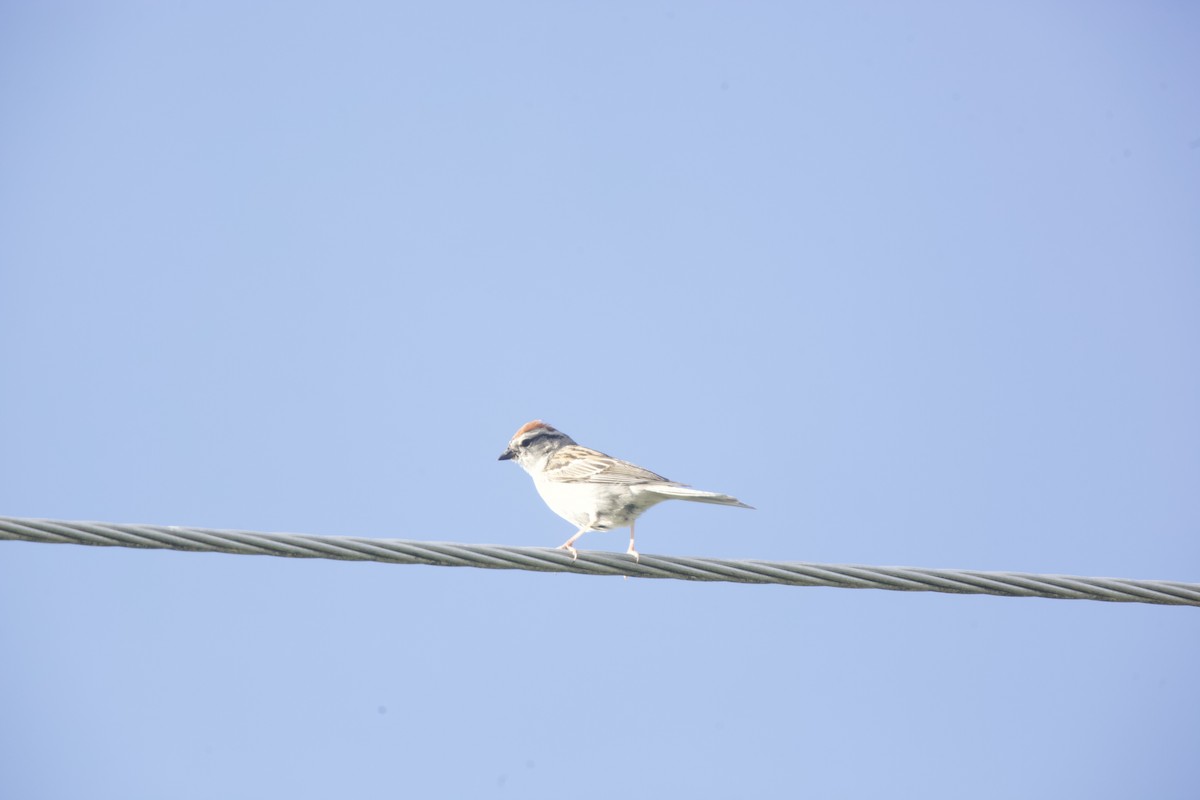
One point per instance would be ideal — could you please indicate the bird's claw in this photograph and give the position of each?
(574, 553)
(631, 552)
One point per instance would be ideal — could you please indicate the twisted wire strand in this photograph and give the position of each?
(540, 559)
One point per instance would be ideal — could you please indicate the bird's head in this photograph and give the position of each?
(533, 443)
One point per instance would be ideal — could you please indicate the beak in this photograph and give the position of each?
(506, 455)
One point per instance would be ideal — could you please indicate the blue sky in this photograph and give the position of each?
(920, 282)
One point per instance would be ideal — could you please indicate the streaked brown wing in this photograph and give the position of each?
(577, 464)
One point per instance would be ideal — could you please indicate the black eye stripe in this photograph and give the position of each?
(533, 439)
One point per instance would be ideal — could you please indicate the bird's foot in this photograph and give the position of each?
(574, 553)
(634, 553)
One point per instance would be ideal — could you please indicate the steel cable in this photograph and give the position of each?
(540, 559)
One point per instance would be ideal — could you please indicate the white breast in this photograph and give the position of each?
(595, 506)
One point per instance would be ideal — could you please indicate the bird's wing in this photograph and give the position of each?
(577, 464)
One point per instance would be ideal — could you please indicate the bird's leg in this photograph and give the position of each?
(567, 544)
(631, 551)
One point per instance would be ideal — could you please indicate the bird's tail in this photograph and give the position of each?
(680, 492)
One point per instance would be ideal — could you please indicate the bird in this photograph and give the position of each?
(593, 490)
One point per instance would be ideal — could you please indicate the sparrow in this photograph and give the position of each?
(590, 489)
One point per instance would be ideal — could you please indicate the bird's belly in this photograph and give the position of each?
(597, 507)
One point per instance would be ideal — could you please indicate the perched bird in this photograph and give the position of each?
(591, 490)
